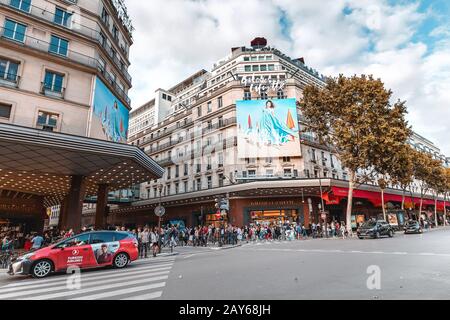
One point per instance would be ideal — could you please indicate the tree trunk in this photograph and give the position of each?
(445, 209)
(436, 222)
(383, 205)
(348, 219)
(420, 207)
(403, 199)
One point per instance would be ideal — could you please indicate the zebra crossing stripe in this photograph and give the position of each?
(63, 282)
(91, 275)
(115, 293)
(92, 286)
(149, 296)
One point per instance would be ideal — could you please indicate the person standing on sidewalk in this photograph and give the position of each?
(145, 239)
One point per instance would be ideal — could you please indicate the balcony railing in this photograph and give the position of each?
(74, 56)
(77, 27)
(9, 80)
(55, 92)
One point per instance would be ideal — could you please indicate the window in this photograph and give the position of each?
(209, 182)
(5, 110)
(97, 238)
(269, 172)
(220, 137)
(59, 46)
(287, 172)
(23, 5)
(62, 17)
(280, 94)
(247, 95)
(271, 67)
(220, 158)
(246, 58)
(264, 96)
(105, 17)
(286, 159)
(14, 30)
(199, 111)
(219, 102)
(47, 120)
(209, 163)
(255, 68)
(8, 70)
(53, 82)
(209, 107)
(248, 68)
(269, 160)
(185, 186)
(102, 39)
(115, 32)
(263, 67)
(177, 188)
(186, 169)
(251, 173)
(221, 180)
(199, 184)
(221, 122)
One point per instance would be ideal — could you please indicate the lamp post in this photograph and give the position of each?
(160, 187)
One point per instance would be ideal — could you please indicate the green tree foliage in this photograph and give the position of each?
(353, 116)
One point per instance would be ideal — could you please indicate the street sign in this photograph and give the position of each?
(160, 211)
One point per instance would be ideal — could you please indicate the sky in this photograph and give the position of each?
(405, 43)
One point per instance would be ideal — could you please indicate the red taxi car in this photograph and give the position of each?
(94, 249)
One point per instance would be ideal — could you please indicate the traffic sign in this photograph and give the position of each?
(160, 211)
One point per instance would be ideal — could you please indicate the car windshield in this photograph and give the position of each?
(412, 223)
(369, 224)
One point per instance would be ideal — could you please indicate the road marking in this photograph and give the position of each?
(121, 292)
(93, 284)
(150, 296)
(62, 282)
(93, 274)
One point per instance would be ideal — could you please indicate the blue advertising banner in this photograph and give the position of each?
(268, 128)
(110, 118)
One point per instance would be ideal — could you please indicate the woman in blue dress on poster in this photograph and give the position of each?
(272, 131)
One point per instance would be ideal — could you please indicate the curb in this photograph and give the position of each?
(226, 248)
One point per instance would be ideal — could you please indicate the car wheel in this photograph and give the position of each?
(41, 269)
(391, 234)
(360, 238)
(121, 261)
(377, 235)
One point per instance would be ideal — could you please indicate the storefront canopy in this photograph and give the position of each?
(337, 194)
(43, 163)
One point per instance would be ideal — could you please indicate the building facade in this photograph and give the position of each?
(198, 143)
(58, 59)
(64, 110)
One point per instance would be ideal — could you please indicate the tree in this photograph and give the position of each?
(422, 163)
(437, 182)
(401, 170)
(351, 115)
(446, 193)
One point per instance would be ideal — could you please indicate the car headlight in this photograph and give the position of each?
(26, 256)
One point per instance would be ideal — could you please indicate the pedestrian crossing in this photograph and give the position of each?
(142, 280)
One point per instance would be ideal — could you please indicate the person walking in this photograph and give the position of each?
(144, 242)
(37, 242)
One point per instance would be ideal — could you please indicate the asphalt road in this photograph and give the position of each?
(410, 266)
(407, 267)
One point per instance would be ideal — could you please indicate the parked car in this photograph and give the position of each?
(375, 230)
(413, 227)
(85, 251)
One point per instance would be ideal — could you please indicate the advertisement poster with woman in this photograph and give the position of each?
(110, 119)
(268, 128)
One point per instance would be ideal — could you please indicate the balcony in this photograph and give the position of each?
(71, 24)
(73, 56)
(54, 92)
(9, 80)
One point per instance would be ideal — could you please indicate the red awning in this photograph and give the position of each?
(337, 194)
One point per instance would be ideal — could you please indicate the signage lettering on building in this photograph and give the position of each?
(271, 203)
(123, 14)
(263, 85)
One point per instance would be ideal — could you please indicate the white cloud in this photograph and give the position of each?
(175, 38)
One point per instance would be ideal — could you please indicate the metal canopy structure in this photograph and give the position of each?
(44, 164)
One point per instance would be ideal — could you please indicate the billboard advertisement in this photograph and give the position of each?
(268, 128)
(110, 117)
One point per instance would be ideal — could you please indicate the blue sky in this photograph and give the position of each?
(406, 43)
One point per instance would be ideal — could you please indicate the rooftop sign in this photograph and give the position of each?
(123, 14)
